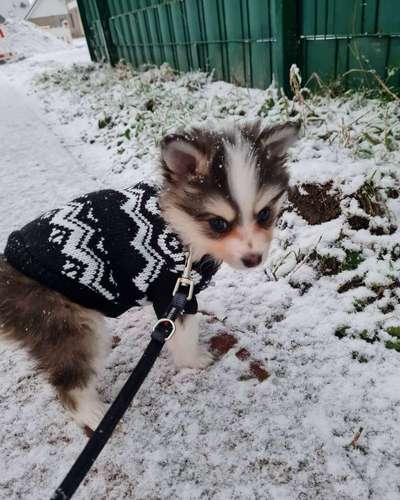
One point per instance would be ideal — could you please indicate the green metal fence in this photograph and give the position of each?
(249, 42)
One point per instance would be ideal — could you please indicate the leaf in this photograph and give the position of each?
(394, 331)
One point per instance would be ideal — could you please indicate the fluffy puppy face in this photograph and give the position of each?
(224, 189)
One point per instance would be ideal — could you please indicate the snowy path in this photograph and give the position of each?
(37, 171)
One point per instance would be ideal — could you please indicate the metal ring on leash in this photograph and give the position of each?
(171, 325)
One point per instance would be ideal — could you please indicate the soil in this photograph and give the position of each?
(222, 342)
(356, 222)
(242, 354)
(349, 285)
(380, 231)
(258, 371)
(318, 204)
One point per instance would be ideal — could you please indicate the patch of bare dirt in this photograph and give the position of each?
(357, 222)
(222, 342)
(315, 202)
(392, 193)
(356, 282)
(242, 354)
(380, 231)
(256, 371)
(259, 372)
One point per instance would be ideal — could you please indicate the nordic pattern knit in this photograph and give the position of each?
(109, 250)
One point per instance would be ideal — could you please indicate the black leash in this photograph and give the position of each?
(162, 331)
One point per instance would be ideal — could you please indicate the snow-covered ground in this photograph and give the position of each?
(25, 39)
(306, 349)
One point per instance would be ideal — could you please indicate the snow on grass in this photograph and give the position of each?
(322, 319)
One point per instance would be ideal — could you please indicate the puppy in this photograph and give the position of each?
(107, 251)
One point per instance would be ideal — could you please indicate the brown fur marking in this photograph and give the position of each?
(60, 335)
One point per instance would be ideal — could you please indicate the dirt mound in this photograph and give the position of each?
(316, 203)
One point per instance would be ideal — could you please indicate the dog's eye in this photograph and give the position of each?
(263, 215)
(218, 225)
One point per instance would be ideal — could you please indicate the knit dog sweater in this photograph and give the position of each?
(109, 250)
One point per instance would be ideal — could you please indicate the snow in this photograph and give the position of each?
(36, 162)
(25, 39)
(14, 8)
(218, 433)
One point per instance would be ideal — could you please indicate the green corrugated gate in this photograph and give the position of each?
(249, 41)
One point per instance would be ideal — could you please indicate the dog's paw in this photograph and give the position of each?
(200, 360)
(203, 359)
(89, 410)
(91, 415)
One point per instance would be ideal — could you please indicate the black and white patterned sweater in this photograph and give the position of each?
(109, 250)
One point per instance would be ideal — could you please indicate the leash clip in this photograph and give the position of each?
(185, 279)
(184, 282)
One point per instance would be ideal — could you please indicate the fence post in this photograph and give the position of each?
(285, 48)
(103, 9)
(86, 28)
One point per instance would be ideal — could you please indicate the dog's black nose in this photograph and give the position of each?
(251, 260)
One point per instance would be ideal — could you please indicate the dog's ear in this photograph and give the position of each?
(182, 155)
(277, 139)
